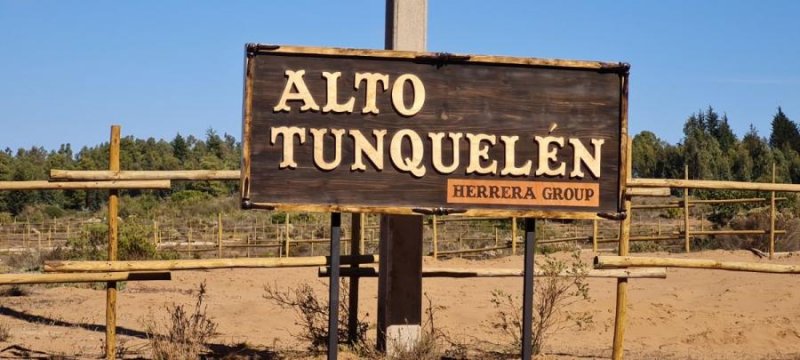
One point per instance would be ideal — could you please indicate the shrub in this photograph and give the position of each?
(53, 212)
(428, 346)
(6, 218)
(134, 243)
(189, 196)
(311, 312)
(142, 206)
(185, 334)
(90, 243)
(25, 261)
(553, 294)
(645, 246)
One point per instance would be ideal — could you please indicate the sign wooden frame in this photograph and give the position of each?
(612, 108)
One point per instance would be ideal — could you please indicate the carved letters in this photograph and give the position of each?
(478, 162)
(297, 90)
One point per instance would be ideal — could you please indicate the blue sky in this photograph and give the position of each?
(69, 69)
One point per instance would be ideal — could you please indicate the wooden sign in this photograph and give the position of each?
(404, 132)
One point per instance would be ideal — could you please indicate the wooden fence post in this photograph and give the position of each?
(594, 235)
(686, 211)
(219, 235)
(541, 229)
(113, 236)
(659, 227)
(247, 236)
(624, 248)
(363, 232)
(155, 233)
(460, 245)
(702, 223)
(435, 238)
(356, 226)
(772, 213)
(287, 238)
(513, 236)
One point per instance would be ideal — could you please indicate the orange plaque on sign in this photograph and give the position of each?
(531, 193)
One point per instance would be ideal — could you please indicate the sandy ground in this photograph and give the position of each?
(697, 314)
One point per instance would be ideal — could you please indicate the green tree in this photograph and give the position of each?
(179, 148)
(784, 132)
(649, 151)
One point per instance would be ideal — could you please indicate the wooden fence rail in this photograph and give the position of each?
(32, 278)
(651, 273)
(611, 262)
(199, 264)
(84, 185)
(104, 175)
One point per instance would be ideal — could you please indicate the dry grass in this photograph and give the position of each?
(184, 336)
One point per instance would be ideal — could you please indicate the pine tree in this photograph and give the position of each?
(179, 148)
(784, 132)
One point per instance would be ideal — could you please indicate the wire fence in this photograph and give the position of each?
(275, 234)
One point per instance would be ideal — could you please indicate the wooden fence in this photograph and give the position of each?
(258, 236)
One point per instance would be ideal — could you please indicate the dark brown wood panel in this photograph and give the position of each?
(504, 98)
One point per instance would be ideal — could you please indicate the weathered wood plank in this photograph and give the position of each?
(317, 168)
(610, 262)
(83, 185)
(105, 175)
(200, 264)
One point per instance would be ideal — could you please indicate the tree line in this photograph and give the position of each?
(215, 152)
(710, 149)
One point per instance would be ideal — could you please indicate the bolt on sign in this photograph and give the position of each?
(405, 132)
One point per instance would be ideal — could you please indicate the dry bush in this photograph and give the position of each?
(429, 345)
(552, 295)
(311, 312)
(25, 261)
(756, 219)
(646, 246)
(5, 332)
(185, 334)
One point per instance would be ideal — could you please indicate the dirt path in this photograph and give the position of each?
(691, 314)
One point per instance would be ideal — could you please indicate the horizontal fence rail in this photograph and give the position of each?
(101, 175)
(33, 278)
(202, 264)
(652, 273)
(611, 262)
(84, 185)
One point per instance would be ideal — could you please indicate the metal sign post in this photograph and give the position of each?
(527, 296)
(333, 287)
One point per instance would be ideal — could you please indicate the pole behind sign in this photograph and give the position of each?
(400, 247)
